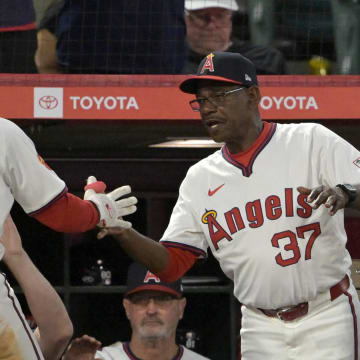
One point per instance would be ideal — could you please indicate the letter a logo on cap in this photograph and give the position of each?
(208, 64)
(150, 276)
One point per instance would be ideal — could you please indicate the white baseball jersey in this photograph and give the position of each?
(23, 174)
(122, 351)
(24, 177)
(247, 210)
(16, 338)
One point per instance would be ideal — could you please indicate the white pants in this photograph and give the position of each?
(330, 331)
(17, 341)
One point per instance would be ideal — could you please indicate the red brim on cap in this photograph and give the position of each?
(189, 85)
(154, 287)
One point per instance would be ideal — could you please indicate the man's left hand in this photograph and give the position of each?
(332, 198)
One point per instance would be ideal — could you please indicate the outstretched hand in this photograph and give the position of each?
(83, 348)
(332, 198)
(110, 208)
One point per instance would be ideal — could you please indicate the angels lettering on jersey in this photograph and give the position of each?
(253, 215)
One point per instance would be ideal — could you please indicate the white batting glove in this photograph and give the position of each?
(111, 210)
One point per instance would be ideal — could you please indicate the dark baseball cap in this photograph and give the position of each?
(222, 66)
(139, 278)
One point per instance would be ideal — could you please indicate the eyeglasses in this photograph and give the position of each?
(215, 100)
(162, 300)
(203, 19)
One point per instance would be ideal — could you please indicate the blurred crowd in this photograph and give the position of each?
(171, 36)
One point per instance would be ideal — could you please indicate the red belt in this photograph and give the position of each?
(293, 312)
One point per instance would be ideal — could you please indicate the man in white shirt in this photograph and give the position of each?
(154, 309)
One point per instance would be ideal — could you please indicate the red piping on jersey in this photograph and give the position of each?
(25, 27)
(56, 198)
(18, 312)
(245, 160)
(131, 355)
(192, 249)
(354, 324)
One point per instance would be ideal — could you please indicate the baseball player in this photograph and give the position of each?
(154, 309)
(269, 205)
(25, 177)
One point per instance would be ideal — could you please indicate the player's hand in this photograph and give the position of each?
(332, 198)
(10, 241)
(110, 208)
(83, 348)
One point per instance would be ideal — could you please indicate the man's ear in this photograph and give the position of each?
(126, 304)
(182, 304)
(254, 96)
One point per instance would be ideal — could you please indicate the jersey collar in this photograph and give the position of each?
(132, 356)
(245, 160)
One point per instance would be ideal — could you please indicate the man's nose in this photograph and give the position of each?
(211, 21)
(207, 107)
(151, 306)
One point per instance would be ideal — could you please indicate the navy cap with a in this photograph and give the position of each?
(222, 66)
(140, 279)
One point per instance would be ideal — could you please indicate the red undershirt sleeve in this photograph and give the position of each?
(180, 261)
(69, 214)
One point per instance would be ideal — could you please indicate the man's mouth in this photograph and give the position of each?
(151, 322)
(213, 123)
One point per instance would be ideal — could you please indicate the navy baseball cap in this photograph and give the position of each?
(222, 66)
(139, 278)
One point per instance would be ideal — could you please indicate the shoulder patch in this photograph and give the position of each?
(42, 162)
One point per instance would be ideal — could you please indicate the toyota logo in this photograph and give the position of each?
(48, 102)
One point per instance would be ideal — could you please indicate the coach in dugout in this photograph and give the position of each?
(154, 309)
(270, 206)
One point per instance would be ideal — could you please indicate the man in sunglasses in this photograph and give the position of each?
(270, 207)
(154, 309)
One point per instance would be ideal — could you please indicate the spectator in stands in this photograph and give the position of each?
(209, 28)
(54, 327)
(121, 36)
(17, 36)
(154, 309)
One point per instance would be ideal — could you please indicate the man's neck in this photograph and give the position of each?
(154, 349)
(249, 139)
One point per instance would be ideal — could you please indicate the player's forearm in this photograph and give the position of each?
(54, 325)
(69, 214)
(143, 249)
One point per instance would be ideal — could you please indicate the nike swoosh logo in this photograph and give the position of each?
(212, 192)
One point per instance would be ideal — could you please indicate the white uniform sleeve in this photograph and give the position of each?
(339, 161)
(183, 230)
(31, 182)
